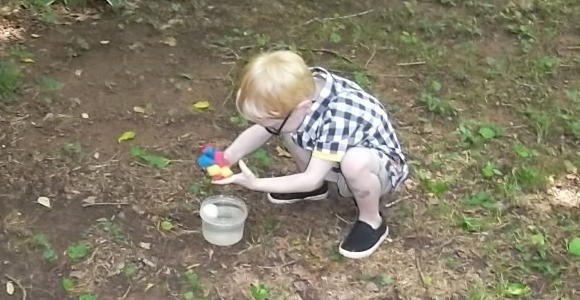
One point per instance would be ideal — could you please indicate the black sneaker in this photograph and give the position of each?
(363, 240)
(288, 198)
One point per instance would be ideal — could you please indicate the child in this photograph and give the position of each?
(334, 130)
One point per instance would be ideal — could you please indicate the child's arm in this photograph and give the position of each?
(247, 142)
(308, 180)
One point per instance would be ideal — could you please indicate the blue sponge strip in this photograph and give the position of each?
(209, 151)
(205, 161)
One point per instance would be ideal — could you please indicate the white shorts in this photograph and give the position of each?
(380, 170)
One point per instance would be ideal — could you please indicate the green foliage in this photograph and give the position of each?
(481, 198)
(490, 170)
(262, 157)
(362, 79)
(79, 250)
(548, 64)
(87, 296)
(73, 149)
(530, 178)
(68, 284)
(434, 103)
(471, 224)
(41, 241)
(523, 151)
(130, 269)
(10, 79)
(574, 246)
(152, 160)
(260, 291)
(49, 83)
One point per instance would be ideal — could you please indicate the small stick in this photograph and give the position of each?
(371, 58)
(414, 63)
(340, 17)
(18, 284)
(104, 203)
(126, 293)
(342, 219)
(393, 203)
(572, 48)
(327, 51)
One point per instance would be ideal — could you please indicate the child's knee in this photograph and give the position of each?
(356, 162)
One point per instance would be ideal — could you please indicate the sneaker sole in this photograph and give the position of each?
(290, 201)
(366, 253)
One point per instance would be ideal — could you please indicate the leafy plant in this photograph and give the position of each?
(490, 170)
(548, 64)
(73, 149)
(155, 161)
(436, 187)
(41, 241)
(10, 78)
(523, 151)
(574, 246)
(471, 224)
(362, 79)
(260, 291)
(130, 269)
(434, 103)
(68, 284)
(490, 131)
(466, 136)
(529, 178)
(481, 198)
(87, 296)
(166, 225)
(78, 250)
(262, 157)
(541, 122)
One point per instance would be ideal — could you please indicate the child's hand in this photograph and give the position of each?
(245, 178)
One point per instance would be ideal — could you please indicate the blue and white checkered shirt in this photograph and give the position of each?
(345, 116)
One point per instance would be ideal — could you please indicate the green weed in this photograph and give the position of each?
(79, 250)
(260, 291)
(10, 80)
(490, 169)
(41, 241)
(530, 178)
(49, 83)
(541, 122)
(68, 284)
(87, 296)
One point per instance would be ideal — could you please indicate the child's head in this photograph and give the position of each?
(273, 84)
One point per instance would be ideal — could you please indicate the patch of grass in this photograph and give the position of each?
(49, 83)
(114, 229)
(530, 178)
(541, 122)
(433, 101)
(87, 296)
(10, 80)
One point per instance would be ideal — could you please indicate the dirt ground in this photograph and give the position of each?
(141, 70)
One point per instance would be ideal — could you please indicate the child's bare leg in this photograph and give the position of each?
(359, 167)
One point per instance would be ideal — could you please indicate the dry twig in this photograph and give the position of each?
(104, 204)
(414, 63)
(371, 58)
(362, 13)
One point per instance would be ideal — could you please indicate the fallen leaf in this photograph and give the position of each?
(127, 135)
(282, 152)
(145, 245)
(27, 60)
(139, 109)
(90, 200)
(170, 41)
(44, 201)
(9, 288)
(78, 72)
(84, 115)
(34, 35)
(96, 155)
(186, 75)
(202, 104)
(105, 42)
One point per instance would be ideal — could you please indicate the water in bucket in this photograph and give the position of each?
(224, 226)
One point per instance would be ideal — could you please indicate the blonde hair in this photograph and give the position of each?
(273, 84)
